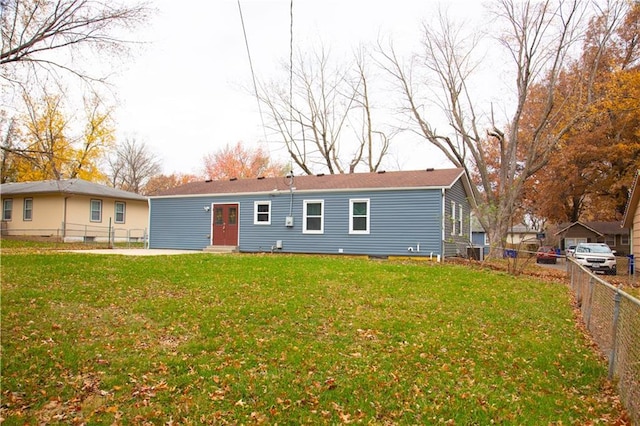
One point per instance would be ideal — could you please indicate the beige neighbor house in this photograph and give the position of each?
(631, 220)
(73, 210)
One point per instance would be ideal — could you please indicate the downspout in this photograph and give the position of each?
(64, 219)
(443, 225)
(147, 240)
(470, 230)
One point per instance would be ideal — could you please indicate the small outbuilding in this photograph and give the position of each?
(415, 213)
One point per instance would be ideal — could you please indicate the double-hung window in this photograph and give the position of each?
(96, 210)
(359, 216)
(610, 240)
(262, 213)
(313, 217)
(453, 218)
(120, 211)
(7, 209)
(27, 211)
(459, 223)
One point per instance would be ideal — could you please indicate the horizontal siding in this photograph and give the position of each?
(179, 223)
(455, 245)
(399, 219)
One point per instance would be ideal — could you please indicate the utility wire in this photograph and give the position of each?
(253, 74)
(291, 84)
(291, 69)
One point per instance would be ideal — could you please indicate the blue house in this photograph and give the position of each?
(416, 213)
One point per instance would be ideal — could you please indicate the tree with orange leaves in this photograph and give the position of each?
(240, 162)
(589, 174)
(159, 183)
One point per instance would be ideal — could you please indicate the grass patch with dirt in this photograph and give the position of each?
(203, 338)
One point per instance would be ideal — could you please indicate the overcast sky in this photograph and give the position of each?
(185, 94)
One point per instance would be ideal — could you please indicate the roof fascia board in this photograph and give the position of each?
(298, 191)
(581, 224)
(632, 204)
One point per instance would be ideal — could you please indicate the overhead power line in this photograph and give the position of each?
(253, 74)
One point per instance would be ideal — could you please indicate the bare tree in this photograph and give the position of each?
(538, 38)
(324, 115)
(132, 165)
(38, 33)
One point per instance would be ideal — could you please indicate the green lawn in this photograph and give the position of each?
(203, 338)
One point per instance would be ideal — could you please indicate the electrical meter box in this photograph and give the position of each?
(288, 221)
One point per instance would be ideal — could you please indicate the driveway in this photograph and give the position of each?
(560, 265)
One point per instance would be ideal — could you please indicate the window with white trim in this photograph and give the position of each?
(610, 240)
(453, 218)
(262, 213)
(120, 212)
(459, 219)
(313, 222)
(7, 209)
(96, 210)
(359, 216)
(27, 209)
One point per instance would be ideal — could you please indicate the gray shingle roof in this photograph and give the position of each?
(67, 186)
(602, 228)
(442, 178)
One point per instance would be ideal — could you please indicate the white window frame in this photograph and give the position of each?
(367, 201)
(487, 241)
(7, 207)
(453, 218)
(124, 211)
(27, 217)
(305, 216)
(91, 210)
(460, 219)
(257, 213)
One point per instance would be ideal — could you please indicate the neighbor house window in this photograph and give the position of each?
(96, 210)
(27, 211)
(120, 211)
(359, 216)
(624, 239)
(7, 209)
(453, 218)
(262, 213)
(610, 240)
(313, 216)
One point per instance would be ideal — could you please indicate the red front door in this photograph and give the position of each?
(225, 225)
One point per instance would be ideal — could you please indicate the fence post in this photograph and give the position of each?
(614, 333)
(592, 285)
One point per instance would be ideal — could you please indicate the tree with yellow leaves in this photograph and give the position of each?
(46, 143)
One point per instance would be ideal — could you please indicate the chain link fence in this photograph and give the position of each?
(76, 232)
(613, 319)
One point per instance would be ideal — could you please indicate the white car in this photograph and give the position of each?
(596, 256)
